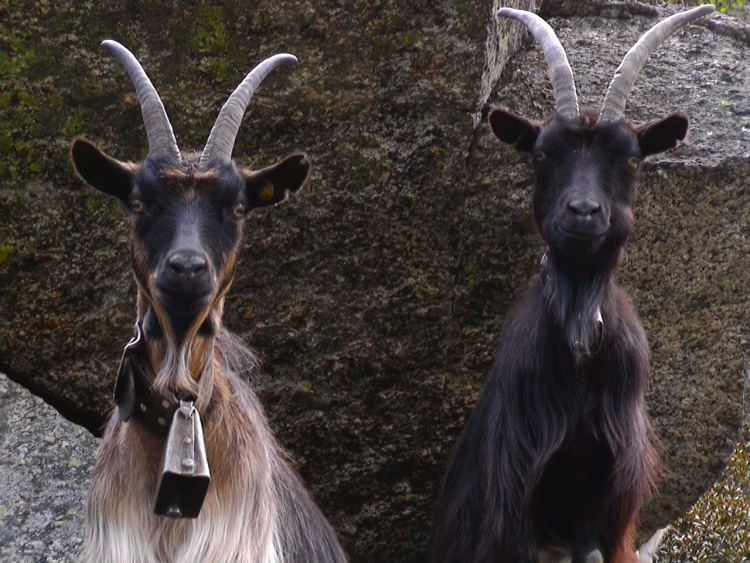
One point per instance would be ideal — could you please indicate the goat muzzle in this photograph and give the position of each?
(185, 476)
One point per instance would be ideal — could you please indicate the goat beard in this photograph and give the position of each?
(187, 370)
(184, 366)
(576, 306)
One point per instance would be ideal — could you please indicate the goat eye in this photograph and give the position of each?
(539, 156)
(136, 206)
(634, 161)
(239, 211)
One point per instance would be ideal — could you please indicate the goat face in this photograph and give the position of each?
(186, 210)
(585, 165)
(185, 226)
(585, 174)
(185, 233)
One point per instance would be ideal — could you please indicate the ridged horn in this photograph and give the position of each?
(161, 139)
(560, 73)
(625, 75)
(224, 132)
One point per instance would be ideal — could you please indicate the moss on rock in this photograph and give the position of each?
(374, 297)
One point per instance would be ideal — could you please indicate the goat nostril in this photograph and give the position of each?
(176, 265)
(187, 264)
(584, 207)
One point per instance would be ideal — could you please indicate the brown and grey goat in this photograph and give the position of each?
(558, 455)
(186, 213)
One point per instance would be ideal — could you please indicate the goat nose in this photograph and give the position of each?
(187, 263)
(584, 207)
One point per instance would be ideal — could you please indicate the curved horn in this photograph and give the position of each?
(161, 140)
(221, 140)
(558, 66)
(625, 75)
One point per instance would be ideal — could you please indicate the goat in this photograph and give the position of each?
(557, 457)
(186, 214)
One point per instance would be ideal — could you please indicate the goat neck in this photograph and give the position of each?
(575, 304)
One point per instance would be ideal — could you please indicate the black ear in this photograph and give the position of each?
(514, 129)
(271, 185)
(100, 171)
(664, 134)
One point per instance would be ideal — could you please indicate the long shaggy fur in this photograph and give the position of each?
(256, 510)
(557, 456)
(558, 450)
(186, 221)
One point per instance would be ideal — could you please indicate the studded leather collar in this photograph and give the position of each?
(134, 393)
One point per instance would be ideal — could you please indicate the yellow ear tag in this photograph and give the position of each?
(265, 193)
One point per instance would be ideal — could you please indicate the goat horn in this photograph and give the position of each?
(558, 66)
(161, 140)
(221, 140)
(625, 75)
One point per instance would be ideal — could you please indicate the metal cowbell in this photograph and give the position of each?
(185, 475)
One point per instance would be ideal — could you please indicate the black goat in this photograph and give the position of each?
(557, 456)
(186, 214)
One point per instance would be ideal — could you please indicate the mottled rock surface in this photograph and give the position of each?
(374, 297)
(45, 467)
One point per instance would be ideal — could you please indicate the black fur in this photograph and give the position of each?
(558, 454)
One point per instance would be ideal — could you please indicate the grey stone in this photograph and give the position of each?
(45, 468)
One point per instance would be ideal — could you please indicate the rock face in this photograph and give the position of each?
(374, 297)
(45, 467)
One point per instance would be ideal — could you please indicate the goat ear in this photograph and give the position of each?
(514, 129)
(664, 134)
(271, 185)
(100, 171)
